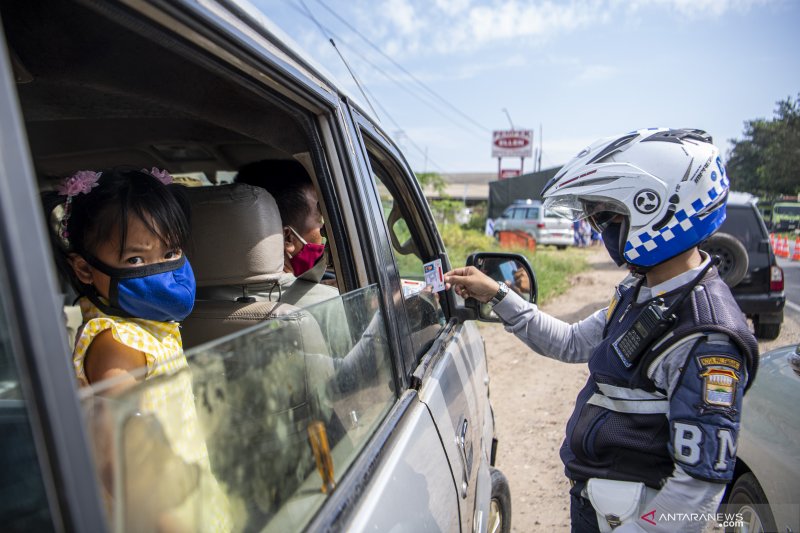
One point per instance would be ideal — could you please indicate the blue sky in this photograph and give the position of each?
(583, 69)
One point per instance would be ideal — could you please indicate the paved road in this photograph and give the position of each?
(791, 282)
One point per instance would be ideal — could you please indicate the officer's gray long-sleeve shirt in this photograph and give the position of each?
(574, 343)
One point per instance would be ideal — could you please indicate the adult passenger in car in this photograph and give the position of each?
(651, 442)
(305, 248)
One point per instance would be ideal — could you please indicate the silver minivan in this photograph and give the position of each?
(532, 218)
(388, 428)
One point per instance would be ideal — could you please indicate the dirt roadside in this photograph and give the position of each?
(533, 397)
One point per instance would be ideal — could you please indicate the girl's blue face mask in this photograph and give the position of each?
(162, 291)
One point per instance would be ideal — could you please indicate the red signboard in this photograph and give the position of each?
(512, 143)
(509, 173)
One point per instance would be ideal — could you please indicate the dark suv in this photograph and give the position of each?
(748, 265)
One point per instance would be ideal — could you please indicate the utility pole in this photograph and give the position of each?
(509, 118)
(539, 164)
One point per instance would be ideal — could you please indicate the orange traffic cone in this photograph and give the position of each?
(772, 240)
(785, 247)
(796, 254)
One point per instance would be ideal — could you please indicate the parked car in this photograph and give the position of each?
(394, 433)
(785, 216)
(764, 490)
(748, 265)
(531, 217)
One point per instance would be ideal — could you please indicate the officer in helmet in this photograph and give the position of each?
(651, 442)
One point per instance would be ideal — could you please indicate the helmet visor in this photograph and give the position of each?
(600, 212)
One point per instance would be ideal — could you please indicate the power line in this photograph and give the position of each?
(370, 97)
(402, 68)
(410, 140)
(326, 32)
(409, 91)
(333, 43)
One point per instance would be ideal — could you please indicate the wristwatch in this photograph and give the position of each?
(502, 290)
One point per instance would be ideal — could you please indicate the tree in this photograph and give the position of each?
(433, 179)
(767, 161)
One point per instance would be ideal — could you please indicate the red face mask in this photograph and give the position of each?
(308, 255)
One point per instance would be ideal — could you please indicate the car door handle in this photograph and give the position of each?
(461, 443)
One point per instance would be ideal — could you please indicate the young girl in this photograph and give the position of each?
(122, 234)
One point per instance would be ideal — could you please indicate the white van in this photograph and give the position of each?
(390, 429)
(544, 226)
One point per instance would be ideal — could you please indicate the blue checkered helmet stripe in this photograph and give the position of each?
(686, 229)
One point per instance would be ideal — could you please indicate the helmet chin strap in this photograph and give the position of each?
(623, 237)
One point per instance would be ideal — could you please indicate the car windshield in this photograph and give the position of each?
(793, 210)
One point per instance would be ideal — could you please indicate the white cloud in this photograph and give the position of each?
(595, 73)
(693, 9)
(452, 7)
(446, 27)
(403, 16)
(467, 71)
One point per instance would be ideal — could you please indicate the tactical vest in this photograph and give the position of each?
(619, 428)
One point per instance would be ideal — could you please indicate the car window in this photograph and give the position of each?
(508, 213)
(533, 213)
(422, 306)
(520, 214)
(786, 209)
(274, 424)
(743, 223)
(23, 503)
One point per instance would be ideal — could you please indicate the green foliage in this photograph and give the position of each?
(432, 179)
(446, 211)
(477, 219)
(553, 268)
(767, 160)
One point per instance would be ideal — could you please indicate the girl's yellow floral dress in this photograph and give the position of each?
(167, 396)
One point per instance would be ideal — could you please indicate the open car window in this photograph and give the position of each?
(255, 433)
(422, 306)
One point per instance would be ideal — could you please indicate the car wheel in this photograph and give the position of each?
(500, 504)
(769, 331)
(561, 247)
(748, 499)
(733, 257)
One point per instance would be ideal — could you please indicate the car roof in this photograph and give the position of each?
(741, 198)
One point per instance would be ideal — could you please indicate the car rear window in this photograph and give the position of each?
(743, 223)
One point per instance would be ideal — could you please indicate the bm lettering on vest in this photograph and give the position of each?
(688, 439)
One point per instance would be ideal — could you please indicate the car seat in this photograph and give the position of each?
(261, 371)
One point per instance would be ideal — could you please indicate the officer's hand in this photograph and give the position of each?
(521, 282)
(469, 282)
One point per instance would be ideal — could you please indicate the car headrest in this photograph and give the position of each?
(237, 236)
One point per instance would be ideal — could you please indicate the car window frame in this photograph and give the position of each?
(46, 380)
(419, 220)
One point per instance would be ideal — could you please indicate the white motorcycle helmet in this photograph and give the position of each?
(669, 185)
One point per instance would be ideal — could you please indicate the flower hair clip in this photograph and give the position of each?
(79, 183)
(161, 175)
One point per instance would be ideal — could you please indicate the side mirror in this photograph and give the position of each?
(513, 269)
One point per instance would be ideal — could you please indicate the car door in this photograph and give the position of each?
(447, 362)
(46, 472)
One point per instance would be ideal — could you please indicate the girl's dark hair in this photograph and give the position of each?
(120, 192)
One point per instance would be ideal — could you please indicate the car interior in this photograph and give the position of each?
(97, 89)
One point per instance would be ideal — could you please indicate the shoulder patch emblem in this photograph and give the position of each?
(720, 375)
(613, 304)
